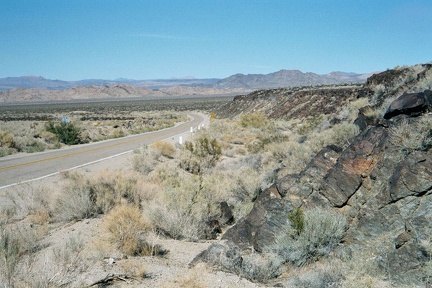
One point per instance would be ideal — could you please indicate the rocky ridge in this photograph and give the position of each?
(381, 183)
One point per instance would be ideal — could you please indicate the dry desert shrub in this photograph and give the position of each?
(410, 137)
(6, 139)
(87, 197)
(16, 242)
(145, 160)
(201, 153)
(361, 270)
(166, 149)
(254, 120)
(126, 227)
(176, 210)
(291, 154)
(317, 275)
(184, 202)
(68, 258)
(340, 135)
(30, 201)
(322, 231)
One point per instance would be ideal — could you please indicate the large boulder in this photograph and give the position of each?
(259, 227)
(230, 258)
(411, 104)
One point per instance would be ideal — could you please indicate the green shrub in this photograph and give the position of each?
(296, 218)
(66, 133)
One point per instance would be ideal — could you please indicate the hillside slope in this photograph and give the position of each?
(379, 182)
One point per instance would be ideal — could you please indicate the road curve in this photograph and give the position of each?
(21, 168)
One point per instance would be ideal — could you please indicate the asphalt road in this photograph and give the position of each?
(21, 168)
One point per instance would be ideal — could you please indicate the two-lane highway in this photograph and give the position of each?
(21, 168)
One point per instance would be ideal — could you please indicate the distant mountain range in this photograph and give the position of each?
(282, 78)
(30, 88)
(42, 83)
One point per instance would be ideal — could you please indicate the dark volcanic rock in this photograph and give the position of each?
(258, 229)
(412, 177)
(230, 258)
(302, 189)
(225, 257)
(362, 120)
(404, 264)
(226, 216)
(213, 227)
(410, 104)
(356, 162)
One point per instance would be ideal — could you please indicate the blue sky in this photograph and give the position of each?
(107, 39)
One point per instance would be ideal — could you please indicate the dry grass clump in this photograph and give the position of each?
(126, 227)
(192, 279)
(134, 268)
(412, 136)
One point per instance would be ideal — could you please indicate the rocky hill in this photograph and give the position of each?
(381, 182)
(287, 78)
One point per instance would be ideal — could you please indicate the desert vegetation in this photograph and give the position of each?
(77, 127)
(231, 174)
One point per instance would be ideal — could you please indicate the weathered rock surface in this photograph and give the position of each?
(259, 227)
(355, 163)
(290, 103)
(410, 104)
(230, 258)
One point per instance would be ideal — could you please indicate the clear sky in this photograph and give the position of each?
(109, 39)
